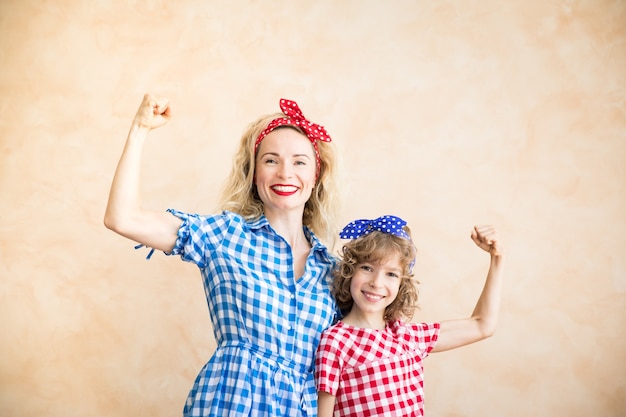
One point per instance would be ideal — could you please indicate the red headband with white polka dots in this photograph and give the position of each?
(295, 117)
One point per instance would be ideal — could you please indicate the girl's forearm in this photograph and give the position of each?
(487, 309)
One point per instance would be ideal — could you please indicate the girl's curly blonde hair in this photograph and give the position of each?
(377, 247)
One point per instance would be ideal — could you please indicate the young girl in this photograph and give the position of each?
(370, 362)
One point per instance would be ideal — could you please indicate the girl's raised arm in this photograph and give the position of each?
(482, 323)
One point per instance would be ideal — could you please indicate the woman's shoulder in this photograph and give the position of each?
(320, 247)
(224, 216)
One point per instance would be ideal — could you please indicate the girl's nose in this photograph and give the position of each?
(375, 281)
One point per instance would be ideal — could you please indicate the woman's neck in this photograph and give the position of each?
(288, 225)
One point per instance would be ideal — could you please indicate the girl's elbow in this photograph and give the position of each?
(487, 329)
(487, 334)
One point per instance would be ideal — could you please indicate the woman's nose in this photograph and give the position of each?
(284, 171)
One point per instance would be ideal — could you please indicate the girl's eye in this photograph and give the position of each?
(270, 161)
(366, 268)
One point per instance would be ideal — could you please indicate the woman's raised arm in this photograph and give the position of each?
(124, 214)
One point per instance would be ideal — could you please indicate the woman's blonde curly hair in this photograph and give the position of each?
(240, 195)
(373, 248)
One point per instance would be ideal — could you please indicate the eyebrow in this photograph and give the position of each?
(377, 264)
(296, 155)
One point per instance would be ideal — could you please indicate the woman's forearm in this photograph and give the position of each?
(124, 200)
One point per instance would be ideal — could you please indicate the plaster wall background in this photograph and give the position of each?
(447, 113)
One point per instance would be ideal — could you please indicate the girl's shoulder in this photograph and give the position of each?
(342, 331)
(336, 328)
(411, 330)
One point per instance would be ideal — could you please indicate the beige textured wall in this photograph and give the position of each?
(447, 113)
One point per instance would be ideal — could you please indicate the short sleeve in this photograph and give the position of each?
(197, 236)
(425, 335)
(328, 363)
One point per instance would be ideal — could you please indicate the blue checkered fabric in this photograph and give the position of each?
(267, 323)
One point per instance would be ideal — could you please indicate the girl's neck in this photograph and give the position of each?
(364, 321)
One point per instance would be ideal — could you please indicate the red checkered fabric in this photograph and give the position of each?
(375, 372)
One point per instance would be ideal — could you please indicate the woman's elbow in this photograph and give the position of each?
(113, 223)
(108, 222)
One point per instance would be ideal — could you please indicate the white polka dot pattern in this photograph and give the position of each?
(387, 224)
(295, 117)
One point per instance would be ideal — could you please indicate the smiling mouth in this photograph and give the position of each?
(372, 297)
(284, 189)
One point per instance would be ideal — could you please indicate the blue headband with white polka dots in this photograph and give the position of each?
(387, 224)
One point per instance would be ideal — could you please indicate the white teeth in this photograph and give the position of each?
(284, 188)
(373, 297)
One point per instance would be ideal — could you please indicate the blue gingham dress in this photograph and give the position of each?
(267, 323)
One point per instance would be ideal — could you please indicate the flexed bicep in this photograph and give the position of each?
(483, 320)
(124, 213)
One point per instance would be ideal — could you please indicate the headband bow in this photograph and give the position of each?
(387, 224)
(295, 117)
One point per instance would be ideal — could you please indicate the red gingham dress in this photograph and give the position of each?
(375, 372)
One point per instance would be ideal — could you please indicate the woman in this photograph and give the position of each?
(265, 271)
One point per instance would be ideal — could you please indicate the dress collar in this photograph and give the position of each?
(314, 241)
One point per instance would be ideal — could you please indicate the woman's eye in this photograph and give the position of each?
(300, 163)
